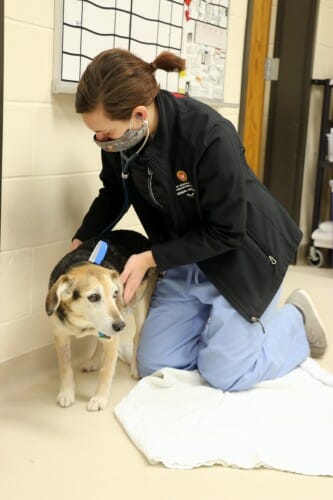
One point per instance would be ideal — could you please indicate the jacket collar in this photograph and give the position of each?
(159, 146)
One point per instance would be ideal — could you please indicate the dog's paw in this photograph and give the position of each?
(65, 398)
(134, 372)
(97, 403)
(90, 366)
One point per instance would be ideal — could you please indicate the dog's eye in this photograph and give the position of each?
(94, 297)
(115, 294)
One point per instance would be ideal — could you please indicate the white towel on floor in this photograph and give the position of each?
(175, 418)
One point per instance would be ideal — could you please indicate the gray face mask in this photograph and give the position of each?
(128, 140)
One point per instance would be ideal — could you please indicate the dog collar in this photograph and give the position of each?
(103, 336)
(99, 252)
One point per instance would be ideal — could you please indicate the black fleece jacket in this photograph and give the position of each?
(200, 202)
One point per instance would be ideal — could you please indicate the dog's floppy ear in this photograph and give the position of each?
(62, 285)
(115, 278)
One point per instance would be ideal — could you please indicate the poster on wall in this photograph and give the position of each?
(194, 29)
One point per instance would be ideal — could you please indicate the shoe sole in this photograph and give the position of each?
(312, 322)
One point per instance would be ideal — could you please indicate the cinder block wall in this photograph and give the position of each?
(51, 166)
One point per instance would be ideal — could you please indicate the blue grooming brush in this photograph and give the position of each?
(99, 252)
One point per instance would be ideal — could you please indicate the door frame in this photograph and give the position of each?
(2, 25)
(251, 110)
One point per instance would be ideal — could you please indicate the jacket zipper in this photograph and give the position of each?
(254, 319)
(150, 188)
(271, 259)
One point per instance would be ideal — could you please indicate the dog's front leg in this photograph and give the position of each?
(110, 352)
(140, 316)
(66, 396)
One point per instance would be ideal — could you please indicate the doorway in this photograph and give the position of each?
(289, 100)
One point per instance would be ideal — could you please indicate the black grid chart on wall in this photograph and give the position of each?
(84, 28)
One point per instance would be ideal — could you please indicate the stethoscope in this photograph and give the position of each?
(126, 162)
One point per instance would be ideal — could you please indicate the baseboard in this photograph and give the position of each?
(17, 372)
(302, 254)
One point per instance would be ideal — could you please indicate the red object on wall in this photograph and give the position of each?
(187, 11)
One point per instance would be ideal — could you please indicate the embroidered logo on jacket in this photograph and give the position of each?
(181, 175)
(185, 187)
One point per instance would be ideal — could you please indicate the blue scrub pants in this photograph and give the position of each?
(190, 325)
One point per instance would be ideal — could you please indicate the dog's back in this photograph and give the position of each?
(121, 245)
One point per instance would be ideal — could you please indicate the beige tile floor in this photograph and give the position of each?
(48, 453)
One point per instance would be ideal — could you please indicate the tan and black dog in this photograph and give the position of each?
(86, 299)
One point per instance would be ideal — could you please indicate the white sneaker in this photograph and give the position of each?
(313, 326)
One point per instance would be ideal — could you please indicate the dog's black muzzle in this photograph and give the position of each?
(118, 326)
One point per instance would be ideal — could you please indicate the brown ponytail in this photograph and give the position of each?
(168, 62)
(119, 81)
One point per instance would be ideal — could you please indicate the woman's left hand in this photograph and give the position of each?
(134, 271)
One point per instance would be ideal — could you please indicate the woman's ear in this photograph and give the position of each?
(140, 113)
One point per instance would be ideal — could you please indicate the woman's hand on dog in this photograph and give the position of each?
(134, 271)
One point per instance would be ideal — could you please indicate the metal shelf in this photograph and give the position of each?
(316, 257)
